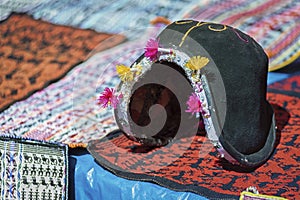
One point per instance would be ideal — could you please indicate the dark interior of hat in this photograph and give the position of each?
(149, 94)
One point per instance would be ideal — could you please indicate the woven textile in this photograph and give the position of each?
(35, 53)
(67, 111)
(130, 17)
(32, 169)
(275, 24)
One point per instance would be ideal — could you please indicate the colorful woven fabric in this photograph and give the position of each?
(127, 17)
(35, 53)
(275, 24)
(67, 111)
(33, 169)
(190, 164)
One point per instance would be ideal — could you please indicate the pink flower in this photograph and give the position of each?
(151, 49)
(108, 97)
(194, 104)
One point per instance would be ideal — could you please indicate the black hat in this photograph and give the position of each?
(227, 74)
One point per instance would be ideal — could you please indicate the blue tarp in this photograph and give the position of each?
(90, 181)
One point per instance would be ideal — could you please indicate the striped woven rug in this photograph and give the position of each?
(126, 17)
(275, 24)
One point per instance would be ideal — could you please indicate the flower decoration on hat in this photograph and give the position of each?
(128, 73)
(109, 97)
(151, 49)
(194, 104)
(154, 52)
(124, 73)
(197, 62)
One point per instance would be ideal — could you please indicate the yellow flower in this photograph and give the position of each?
(197, 62)
(124, 73)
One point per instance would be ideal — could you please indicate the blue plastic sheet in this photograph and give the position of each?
(274, 77)
(93, 182)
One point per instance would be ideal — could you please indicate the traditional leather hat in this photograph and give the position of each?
(227, 73)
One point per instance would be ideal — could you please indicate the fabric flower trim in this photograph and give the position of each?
(151, 49)
(126, 73)
(194, 104)
(109, 98)
(197, 62)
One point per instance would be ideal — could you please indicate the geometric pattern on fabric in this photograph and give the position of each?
(32, 169)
